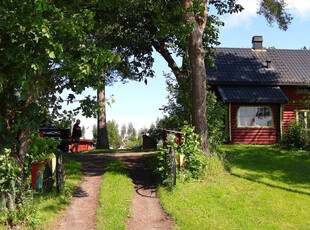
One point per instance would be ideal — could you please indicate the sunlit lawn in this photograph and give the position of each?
(115, 197)
(267, 188)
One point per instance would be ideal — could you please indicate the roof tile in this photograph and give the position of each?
(247, 66)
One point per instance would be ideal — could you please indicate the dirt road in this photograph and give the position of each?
(146, 211)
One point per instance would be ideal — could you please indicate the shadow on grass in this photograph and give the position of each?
(271, 162)
(271, 185)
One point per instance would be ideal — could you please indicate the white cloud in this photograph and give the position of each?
(244, 18)
(299, 8)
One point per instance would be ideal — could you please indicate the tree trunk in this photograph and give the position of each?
(102, 139)
(196, 53)
(19, 154)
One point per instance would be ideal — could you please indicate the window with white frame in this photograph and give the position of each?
(254, 116)
(304, 116)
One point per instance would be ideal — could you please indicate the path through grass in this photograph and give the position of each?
(115, 197)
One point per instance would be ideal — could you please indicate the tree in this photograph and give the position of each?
(113, 135)
(131, 132)
(46, 47)
(95, 133)
(123, 131)
(102, 136)
(133, 28)
(83, 132)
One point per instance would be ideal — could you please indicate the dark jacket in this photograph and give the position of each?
(76, 132)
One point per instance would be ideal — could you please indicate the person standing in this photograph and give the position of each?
(76, 135)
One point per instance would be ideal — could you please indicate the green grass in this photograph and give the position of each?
(115, 197)
(47, 204)
(267, 188)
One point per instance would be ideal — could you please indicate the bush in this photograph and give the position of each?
(9, 181)
(191, 148)
(295, 137)
(215, 119)
(198, 165)
(161, 164)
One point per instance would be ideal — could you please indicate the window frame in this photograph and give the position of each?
(255, 127)
(303, 90)
(305, 119)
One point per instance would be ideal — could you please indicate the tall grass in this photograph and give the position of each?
(115, 197)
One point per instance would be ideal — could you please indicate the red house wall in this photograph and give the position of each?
(261, 136)
(289, 112)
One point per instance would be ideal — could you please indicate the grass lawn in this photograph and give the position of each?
(266, 188)
(115, 197)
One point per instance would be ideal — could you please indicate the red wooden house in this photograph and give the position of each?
(262, 89)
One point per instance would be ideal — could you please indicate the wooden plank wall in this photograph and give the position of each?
(289, 113)
(260, 136)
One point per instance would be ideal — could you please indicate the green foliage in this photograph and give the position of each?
(95, 133)
(123, 131)
(9, 181)
(155, 136)
(46, 48)
(191, 148)
(113, 135)
(40, 148)
(215, 118)
(37, 212)
(274, 11)
(161, 164)
(295, 137)
(131, 139)
(178, 110)
(197, 166)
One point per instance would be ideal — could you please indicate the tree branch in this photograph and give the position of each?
(161, 48)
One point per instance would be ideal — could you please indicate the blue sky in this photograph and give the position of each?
(139, 103)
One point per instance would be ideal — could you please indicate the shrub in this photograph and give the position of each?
(191, 148)
(161, 163)
(296, 136)
(9, 183)
(198, 165)
(215, 119)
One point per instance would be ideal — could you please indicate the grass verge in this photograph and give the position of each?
(46, 204)
(267, 188)
(115, 197)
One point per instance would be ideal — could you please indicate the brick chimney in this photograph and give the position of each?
(257, 42)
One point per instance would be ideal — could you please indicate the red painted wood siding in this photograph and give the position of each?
(84, 145)
(289, 113)
(261, 136)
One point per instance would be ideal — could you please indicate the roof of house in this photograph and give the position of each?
(252, 94)
(246, 66)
